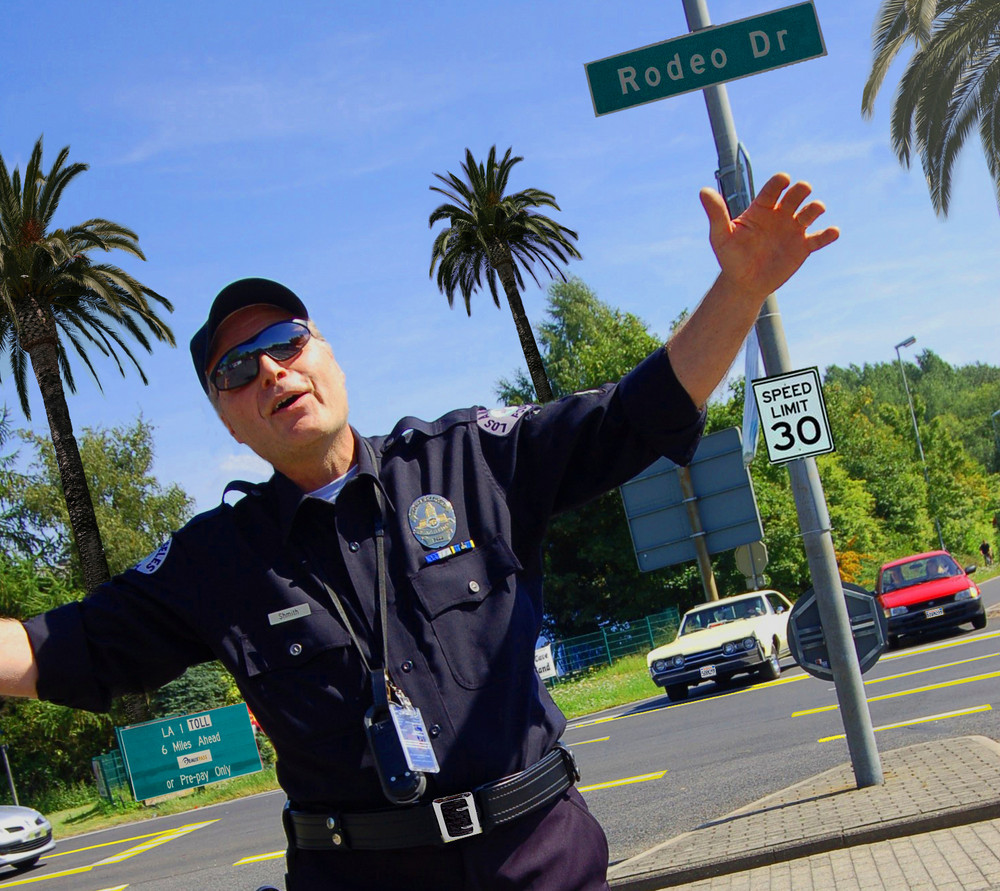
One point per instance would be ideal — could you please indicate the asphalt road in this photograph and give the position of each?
(651, 770)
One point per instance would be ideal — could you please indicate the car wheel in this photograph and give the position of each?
(25, 864)
(771, 670)
(677, 692)
(979, 622)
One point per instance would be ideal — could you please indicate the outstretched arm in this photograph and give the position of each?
(757, 253)
(18, 672)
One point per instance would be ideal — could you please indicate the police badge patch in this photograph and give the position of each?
(432, 520)
(155, 560)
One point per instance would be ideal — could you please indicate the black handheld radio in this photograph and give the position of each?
(400, 784)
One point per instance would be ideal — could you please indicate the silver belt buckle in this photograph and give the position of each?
(457, 816)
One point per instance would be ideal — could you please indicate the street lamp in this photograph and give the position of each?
(913, 415)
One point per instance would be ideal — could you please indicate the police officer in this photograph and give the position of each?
(378, 599)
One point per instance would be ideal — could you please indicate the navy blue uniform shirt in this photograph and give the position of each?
(247, 584)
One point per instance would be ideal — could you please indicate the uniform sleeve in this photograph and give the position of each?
(568, 452)
(123, 638)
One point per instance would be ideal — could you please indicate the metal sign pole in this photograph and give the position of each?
(810, 502)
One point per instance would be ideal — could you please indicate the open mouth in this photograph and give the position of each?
(287, 402)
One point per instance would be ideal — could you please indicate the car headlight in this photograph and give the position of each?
(659, 665)
(749, 643)
(967, 594)
(895, 611)
(728, 649)
(678, 661)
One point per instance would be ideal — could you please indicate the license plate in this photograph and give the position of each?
(933, 613)
(708, 671)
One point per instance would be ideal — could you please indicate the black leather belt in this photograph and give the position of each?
(442, 820)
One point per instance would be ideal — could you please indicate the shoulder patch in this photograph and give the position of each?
(500, 421)
(154, 561)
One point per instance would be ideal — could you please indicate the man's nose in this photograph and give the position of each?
(270, 370)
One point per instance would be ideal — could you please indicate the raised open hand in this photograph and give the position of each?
(761, 249)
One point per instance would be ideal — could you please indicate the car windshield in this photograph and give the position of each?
(916, 572)
(719, 614)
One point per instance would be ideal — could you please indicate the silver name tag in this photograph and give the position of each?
(286, 615)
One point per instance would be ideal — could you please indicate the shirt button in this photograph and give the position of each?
(354, 547)
(434, 730)
(295, 649)
(474, 586)
(407, 666)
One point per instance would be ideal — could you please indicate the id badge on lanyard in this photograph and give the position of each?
(413, 737)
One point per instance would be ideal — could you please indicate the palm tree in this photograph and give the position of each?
(493, 234)
(53, 294)
(951, 83)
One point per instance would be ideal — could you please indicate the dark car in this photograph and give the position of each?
(928, 592)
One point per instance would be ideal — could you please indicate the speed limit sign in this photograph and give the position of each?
(793, 415)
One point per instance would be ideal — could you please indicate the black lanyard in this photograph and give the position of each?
(381, 682)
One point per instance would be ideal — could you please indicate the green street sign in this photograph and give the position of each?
(193, 750)
(703, 58)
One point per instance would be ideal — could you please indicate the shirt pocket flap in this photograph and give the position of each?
(291, 644)
(466, 577)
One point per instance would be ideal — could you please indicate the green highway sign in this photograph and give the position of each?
(192, 750)
(703, 58)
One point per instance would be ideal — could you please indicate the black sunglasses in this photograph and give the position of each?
(241, 365)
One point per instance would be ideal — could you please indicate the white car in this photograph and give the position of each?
(25, 835)
(747, 633)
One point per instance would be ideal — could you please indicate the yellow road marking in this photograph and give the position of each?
(259, 858)
(585, 741)
(926, 689)
(659, 775)
(930, 648)
(162, 839)
(120, 841)
(47, 876)
(907, 674)
(155, 839)
(912, 721)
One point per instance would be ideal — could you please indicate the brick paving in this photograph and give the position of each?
(933, 824)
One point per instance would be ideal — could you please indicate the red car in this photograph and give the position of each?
(927, 592)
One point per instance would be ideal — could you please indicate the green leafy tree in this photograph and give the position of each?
(201, 687)
(16, 536)
(494, 235)
(591, 576)
(54, 294)
(135, 513)
(951, 84)
(49, 746)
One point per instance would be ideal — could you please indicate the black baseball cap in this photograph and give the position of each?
(239, 295)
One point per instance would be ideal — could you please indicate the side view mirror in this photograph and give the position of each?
(971, 568)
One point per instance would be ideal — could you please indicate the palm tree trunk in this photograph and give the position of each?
(543, 390)
(38, 338)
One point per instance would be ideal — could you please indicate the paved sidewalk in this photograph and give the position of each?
(934, 824)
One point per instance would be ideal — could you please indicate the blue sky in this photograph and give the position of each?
(297, 141)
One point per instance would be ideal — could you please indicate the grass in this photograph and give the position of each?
(625, 681)
(101, 814)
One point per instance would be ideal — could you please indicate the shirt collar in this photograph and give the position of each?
(290, 497)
